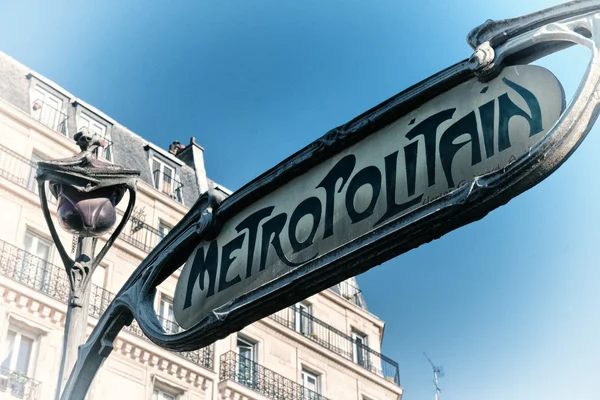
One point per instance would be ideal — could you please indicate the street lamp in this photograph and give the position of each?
(87, 190)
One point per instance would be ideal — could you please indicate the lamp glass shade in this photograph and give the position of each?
(87, 213)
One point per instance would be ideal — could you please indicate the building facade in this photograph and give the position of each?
(326, 347)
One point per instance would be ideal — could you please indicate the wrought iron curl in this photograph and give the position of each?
(512, 42)
(560, 141)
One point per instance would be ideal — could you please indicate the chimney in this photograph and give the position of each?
(193, 156)
(175, 148)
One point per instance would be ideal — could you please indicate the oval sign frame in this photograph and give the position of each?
(497, 45)
(440, 147)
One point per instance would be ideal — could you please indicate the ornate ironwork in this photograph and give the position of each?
(139, 234)
(51, 280)
(21, 171)
(18, 385)
(84, 174)
(33, 272)
(338, 342)
(262, 380)
(515, 41)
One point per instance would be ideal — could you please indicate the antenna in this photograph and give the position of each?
(438, 372)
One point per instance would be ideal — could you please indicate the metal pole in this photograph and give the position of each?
(105, 183)
(77, 314)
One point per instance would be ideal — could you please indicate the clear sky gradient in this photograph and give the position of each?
(508, 305)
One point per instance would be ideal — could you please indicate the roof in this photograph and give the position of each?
(128, 148)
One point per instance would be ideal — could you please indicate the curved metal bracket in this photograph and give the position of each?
(86, 267)
(526, 38)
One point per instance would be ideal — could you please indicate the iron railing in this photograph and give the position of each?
(169, 325)
(42, 276)
(20, 170)
(332, 339)
(139, 234)
(33, 272)
(18, 385)
(349, 292)
(47, 278)
(262, 380)
(167, 184)
(50, 116)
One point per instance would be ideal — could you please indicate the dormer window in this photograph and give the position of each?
(165, 170)
(164, 177)
(47, 108)
(100, 129)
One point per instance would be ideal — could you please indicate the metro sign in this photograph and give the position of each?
(442, 146)
(437, 156)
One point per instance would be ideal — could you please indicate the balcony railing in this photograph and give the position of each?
(262, 380)
(166, 183)
(47, 278)
(50, 116)
(169, 325)
(19, 170)
(349, 292)
(18, 385)
(139, 234)
(332, 339)
(33, 272)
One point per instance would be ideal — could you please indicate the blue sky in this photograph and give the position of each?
(508, 305)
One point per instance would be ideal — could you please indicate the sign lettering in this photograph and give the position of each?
(468, 131)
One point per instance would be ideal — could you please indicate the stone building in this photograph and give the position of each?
(326, 347)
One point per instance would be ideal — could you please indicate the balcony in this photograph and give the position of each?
(338, 342)
(262, 380)
(50, 116)
(17, 385)
(139, 234)
(51, 280)
(350, 293)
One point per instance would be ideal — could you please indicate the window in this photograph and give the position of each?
(100, 130)
(17, 361)
(310, 385)
(35, 270)
(160, 394)
(47, 108)
(165, 313)
(32, 184)
(360, 355)
(163, 176)
(247, 367)
(302, 320)
(99, 277)
(350, 292)
(163, 230)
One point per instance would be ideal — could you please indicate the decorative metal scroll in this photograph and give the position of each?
(84, 173)
(498, 46)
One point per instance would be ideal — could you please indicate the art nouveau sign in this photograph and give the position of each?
(435, 157)
(470, 130)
